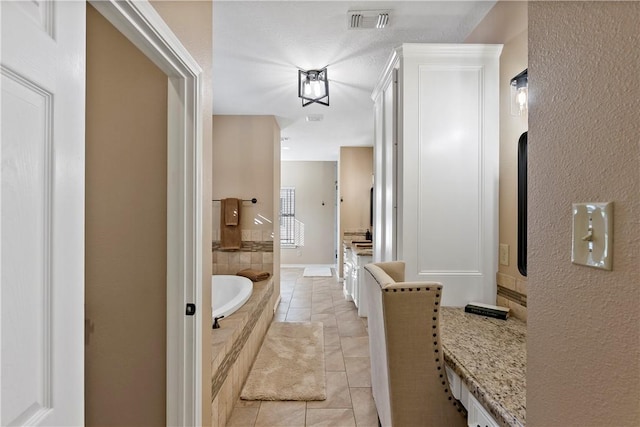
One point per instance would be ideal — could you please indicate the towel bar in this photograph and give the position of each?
(254, 200)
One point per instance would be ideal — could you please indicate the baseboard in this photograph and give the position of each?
(275, 307)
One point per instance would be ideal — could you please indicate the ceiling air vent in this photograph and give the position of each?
(364, 19)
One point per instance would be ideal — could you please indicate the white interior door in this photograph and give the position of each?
(42, 211)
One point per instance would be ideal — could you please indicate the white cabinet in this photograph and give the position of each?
(436, 166)
(353, 285)
(477, 416)
(464, 394)
(455, 383)
(359, 291)
(347, 284)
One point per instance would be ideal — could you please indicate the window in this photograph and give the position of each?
(291, 230)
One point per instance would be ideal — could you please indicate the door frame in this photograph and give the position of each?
(143, 26)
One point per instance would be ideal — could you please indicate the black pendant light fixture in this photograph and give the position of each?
(313, 86)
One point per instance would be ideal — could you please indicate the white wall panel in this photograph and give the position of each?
(378, 181)
(390, 191)
(445, 177)
(449, 173)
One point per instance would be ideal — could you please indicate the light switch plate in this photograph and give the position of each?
(592, 235)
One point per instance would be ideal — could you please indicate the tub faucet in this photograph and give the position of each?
(216, 325)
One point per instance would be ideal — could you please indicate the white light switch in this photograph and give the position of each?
(592, 234)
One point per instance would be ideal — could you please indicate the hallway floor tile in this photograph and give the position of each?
(349, 402)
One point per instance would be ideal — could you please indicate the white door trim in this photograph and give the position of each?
(144, 27)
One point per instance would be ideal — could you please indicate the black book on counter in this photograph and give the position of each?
(487, 310)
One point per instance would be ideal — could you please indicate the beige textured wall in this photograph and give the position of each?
(506, 23)
(243, 149)
(126, 221)
(583, 365)
(512, 61)
(315, 184)
(246, 164)
(355, 170)
(192, 22)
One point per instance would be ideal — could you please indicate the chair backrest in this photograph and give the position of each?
(409, 383)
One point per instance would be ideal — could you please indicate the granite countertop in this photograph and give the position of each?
(490, 357)
(361, 248)
(363, 251)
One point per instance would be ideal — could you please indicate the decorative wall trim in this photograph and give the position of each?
(512, 295)
(247, 246)
(467, 239)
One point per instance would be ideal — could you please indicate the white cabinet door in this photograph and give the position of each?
(454, 382)
(436, 166)
(42, 212)
(477, 416)
(361, 289)
(347, 286)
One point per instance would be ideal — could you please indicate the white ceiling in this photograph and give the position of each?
(258, 47)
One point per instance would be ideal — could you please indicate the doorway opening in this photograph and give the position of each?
(141, 25)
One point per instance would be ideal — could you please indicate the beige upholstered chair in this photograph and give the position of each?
(408, 378)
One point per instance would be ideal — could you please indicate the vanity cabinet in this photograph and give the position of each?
(353, 285)
(436, 141)
(347, 273)
(455, 384)
(477, 415)
(359, 289)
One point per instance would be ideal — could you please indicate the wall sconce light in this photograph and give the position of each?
(519, 94)
(313, 86)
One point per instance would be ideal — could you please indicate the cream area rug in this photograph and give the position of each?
(289, 365)
(317, 272)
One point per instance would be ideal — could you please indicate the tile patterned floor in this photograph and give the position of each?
(346, 344)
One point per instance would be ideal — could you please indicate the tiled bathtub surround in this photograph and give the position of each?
(235, 346)
(512, 293)
(257, 255)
